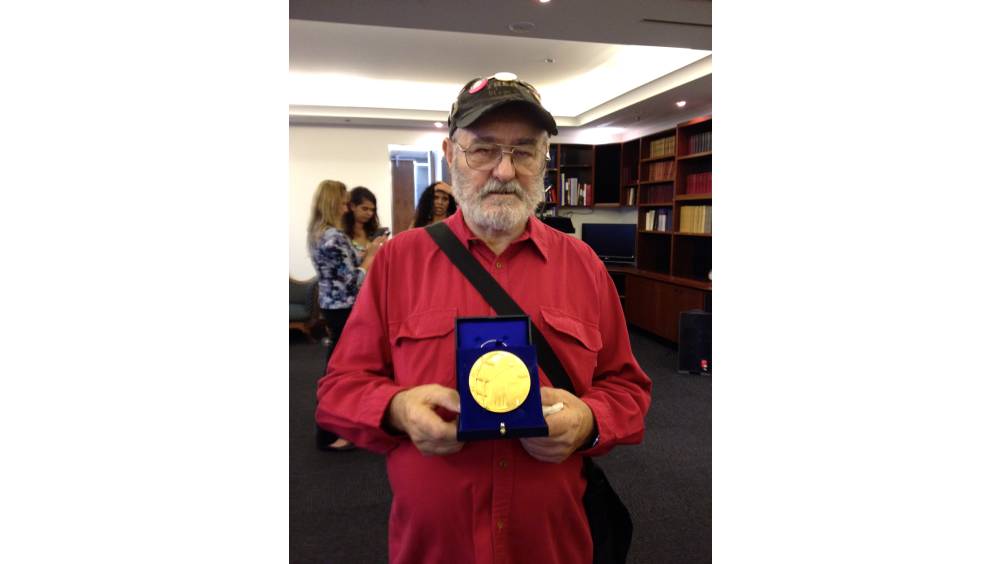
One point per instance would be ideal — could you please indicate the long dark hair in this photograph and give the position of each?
(425, 206)
(358, 196)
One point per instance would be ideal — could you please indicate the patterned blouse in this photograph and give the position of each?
(338, 266)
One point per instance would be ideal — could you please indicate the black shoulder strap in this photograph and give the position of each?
(499, 299)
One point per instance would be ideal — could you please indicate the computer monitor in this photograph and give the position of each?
(613, 242)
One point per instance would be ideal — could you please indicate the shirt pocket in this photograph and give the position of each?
(423, 348)
(576, 342)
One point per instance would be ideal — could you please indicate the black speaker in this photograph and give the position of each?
(694, 349)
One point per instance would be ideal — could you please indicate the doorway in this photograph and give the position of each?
(413, 170)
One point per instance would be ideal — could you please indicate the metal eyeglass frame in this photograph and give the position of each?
(502, 153)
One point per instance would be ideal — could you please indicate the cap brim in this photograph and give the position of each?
(542, 117)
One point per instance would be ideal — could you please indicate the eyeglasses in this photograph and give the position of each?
(486, 156)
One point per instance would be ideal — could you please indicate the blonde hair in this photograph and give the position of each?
(326, 208)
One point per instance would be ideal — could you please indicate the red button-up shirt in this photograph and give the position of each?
(491, 502)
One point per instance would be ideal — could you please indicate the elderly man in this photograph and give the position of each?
(391, 384)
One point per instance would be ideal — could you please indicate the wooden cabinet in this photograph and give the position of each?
(655, 303)
(644, 305)
(675, 300)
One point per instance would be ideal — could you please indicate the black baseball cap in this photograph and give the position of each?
(483, 95)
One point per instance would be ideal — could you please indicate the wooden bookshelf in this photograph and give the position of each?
(674, 178)
(666, 177)
(571, 176)
(692, 245)
(599, 167)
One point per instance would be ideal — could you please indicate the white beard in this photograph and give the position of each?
(498, 214)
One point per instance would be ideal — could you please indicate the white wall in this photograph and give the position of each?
(354, 155)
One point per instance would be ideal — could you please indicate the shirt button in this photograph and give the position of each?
(500, 524)
(499, 265)
(503, 463)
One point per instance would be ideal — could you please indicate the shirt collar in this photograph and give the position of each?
(535, 231)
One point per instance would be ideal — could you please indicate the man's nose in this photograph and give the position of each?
(504, 171)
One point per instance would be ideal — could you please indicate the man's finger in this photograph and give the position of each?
(445, 397)
(550, 395)
(432, 427)
(544, 451)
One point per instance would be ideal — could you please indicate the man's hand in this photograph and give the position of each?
(568, 428)
(412, 412)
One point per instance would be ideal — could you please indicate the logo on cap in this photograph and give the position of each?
(479, 85)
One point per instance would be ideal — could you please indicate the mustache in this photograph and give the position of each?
(494, 186)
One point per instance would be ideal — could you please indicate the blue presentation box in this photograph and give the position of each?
(477, 336)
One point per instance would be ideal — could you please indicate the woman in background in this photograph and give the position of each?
(361, 220)
(341, 271)
(436, 204)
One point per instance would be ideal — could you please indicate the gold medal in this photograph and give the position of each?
(499, 381)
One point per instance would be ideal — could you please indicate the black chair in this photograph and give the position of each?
(303, 306)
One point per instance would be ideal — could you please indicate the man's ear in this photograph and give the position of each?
(448, 152)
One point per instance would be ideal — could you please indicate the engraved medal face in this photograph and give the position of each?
(499, 381)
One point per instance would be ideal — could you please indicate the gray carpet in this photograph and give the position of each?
(339, 502)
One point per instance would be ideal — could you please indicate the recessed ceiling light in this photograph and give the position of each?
(438, 124)
(543, 1)
(521, 27)
(681, 104)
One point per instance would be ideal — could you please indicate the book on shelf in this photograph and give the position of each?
(663, 219)
(572, 192)
(662, 170)
(696, 219)
(630, 198)
(662, 147)
(699, 183)
(659, 219)
(655, 148)
(658, 194)
(700, 142)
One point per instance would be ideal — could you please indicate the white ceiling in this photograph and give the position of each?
(385, 62)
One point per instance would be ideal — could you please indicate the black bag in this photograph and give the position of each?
(610, 522)
(609, 519)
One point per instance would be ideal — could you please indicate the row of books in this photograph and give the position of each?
(657, 193)
(696, 219)
(570, 192)
(660, 219)
(700, 183)
(700, 142)
(662, 147)
(662, 170)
